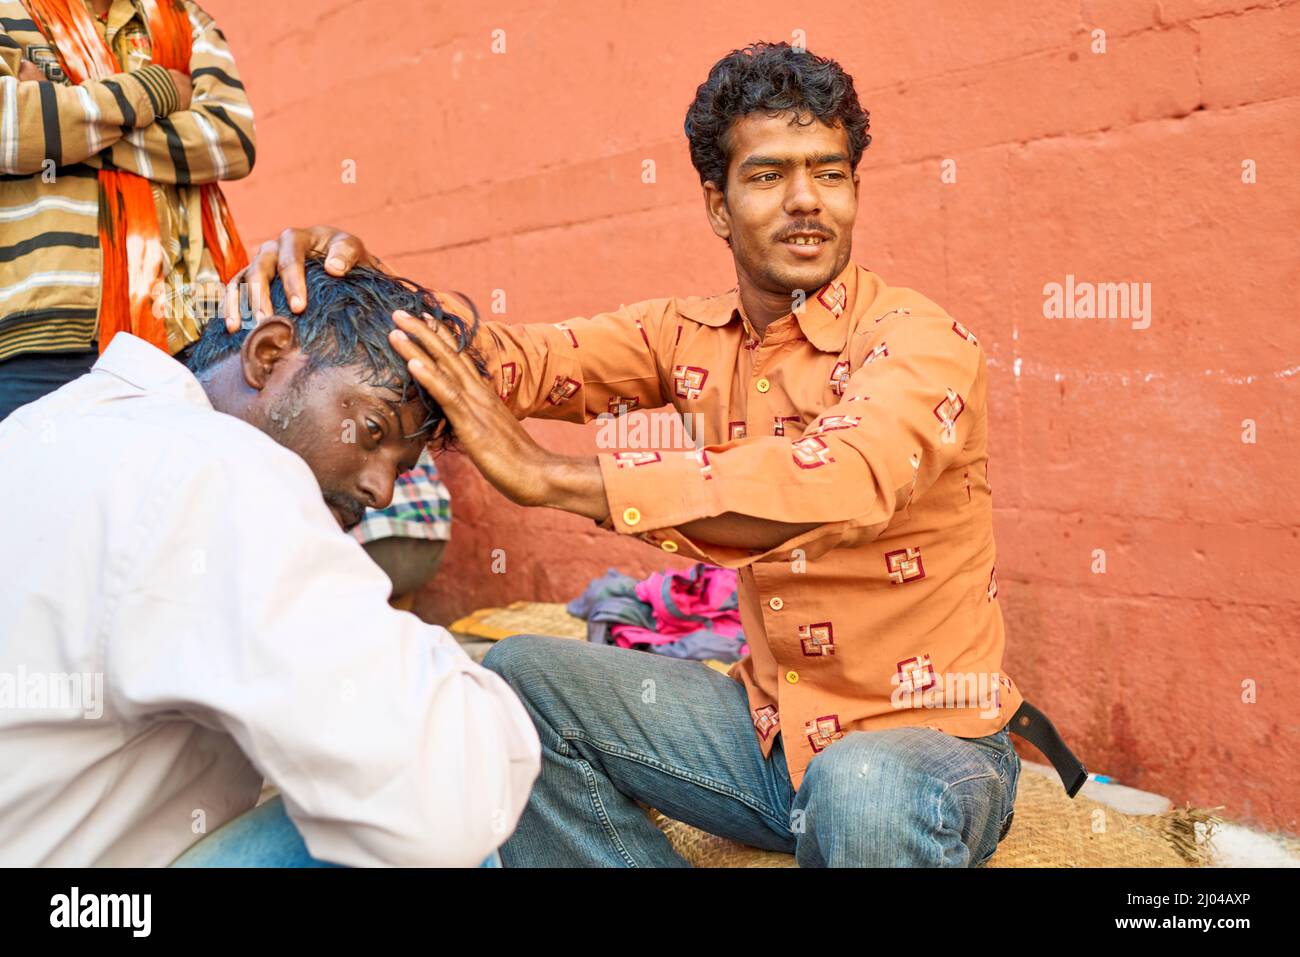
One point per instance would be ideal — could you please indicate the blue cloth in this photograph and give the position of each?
(262, 837)
(28, 376)
(619, 727)
(611, 600)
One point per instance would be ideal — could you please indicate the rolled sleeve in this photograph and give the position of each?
(905, 416)
(581, 368)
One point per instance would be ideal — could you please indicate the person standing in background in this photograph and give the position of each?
(117, 120)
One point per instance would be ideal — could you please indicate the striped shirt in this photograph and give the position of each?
(55, 136)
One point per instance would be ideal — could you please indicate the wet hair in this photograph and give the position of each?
(771, 78)
(346, 323)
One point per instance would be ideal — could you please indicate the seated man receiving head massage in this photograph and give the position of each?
(182, 619)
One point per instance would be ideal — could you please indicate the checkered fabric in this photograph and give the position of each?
(421, 508)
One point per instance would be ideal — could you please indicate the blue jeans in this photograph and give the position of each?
(620, 726)
(262, 837)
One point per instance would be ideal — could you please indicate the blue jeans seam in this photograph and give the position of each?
(602, 815)
(716, 787)
(949, 786)
(935, 840)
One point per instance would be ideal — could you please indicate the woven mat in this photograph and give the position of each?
(1049, 829)
(520, 618)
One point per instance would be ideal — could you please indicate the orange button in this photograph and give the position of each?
(792, 676)
(669, 546)
(631, 516)
(762, 385)
(775, 603)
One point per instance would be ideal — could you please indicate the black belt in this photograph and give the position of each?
(1032, 725)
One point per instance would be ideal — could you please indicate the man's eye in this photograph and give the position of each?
(762, 177)
(834, 174)
(375, 430)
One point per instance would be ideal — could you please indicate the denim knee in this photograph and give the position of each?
(507, 655)
(863, 770)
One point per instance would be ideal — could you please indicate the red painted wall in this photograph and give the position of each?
(521, 171)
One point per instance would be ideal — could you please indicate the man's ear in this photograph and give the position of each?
(715, 205)
(270, 344)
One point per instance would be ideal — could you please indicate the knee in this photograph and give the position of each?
(875, 776)
(509, 657)
(529, 661)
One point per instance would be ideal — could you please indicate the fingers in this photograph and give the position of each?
(439, 345)
(230, 308)
(286, 255)
(250, 289)
(427, 366)
(343, 252)
(294, 245)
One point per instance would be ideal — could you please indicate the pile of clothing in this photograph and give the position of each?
(691, 614)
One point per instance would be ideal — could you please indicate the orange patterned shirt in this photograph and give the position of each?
(864, 410)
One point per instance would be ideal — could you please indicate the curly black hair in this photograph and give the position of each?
(346, 322)
(772, 78)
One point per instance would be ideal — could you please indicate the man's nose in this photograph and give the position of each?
(801, 195)
(377, 483)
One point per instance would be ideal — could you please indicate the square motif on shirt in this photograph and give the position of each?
(904, 565)
(817, 640)
(628, 460)
(563, 390)
(688, 381)
(811, 452)
(834, 297)
(509, 379)
(823, 732)
(916, 673)
(45, 58)
(766, 720)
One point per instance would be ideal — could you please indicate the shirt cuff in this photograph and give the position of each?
(160, 88)
(649, 490)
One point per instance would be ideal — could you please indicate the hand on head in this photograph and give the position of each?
(248, 292)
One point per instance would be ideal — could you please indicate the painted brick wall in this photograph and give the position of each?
(521, 171)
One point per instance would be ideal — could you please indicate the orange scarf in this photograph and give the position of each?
(129, 237)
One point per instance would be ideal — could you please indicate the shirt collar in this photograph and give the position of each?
(149, 369)
(824, 318)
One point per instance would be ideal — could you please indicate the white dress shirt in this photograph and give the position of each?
(187, 560)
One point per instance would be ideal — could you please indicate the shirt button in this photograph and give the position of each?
(775, 603)
(631, 516)
(762, 385)
(792, 676)
(669, 546)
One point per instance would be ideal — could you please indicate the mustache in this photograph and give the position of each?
(808, 227)
(351, 509)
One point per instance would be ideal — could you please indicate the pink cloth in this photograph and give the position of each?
(683, 604)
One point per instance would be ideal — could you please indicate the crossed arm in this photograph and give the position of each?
(165, 125)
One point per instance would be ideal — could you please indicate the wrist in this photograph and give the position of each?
(160, 88)
(574, 484)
